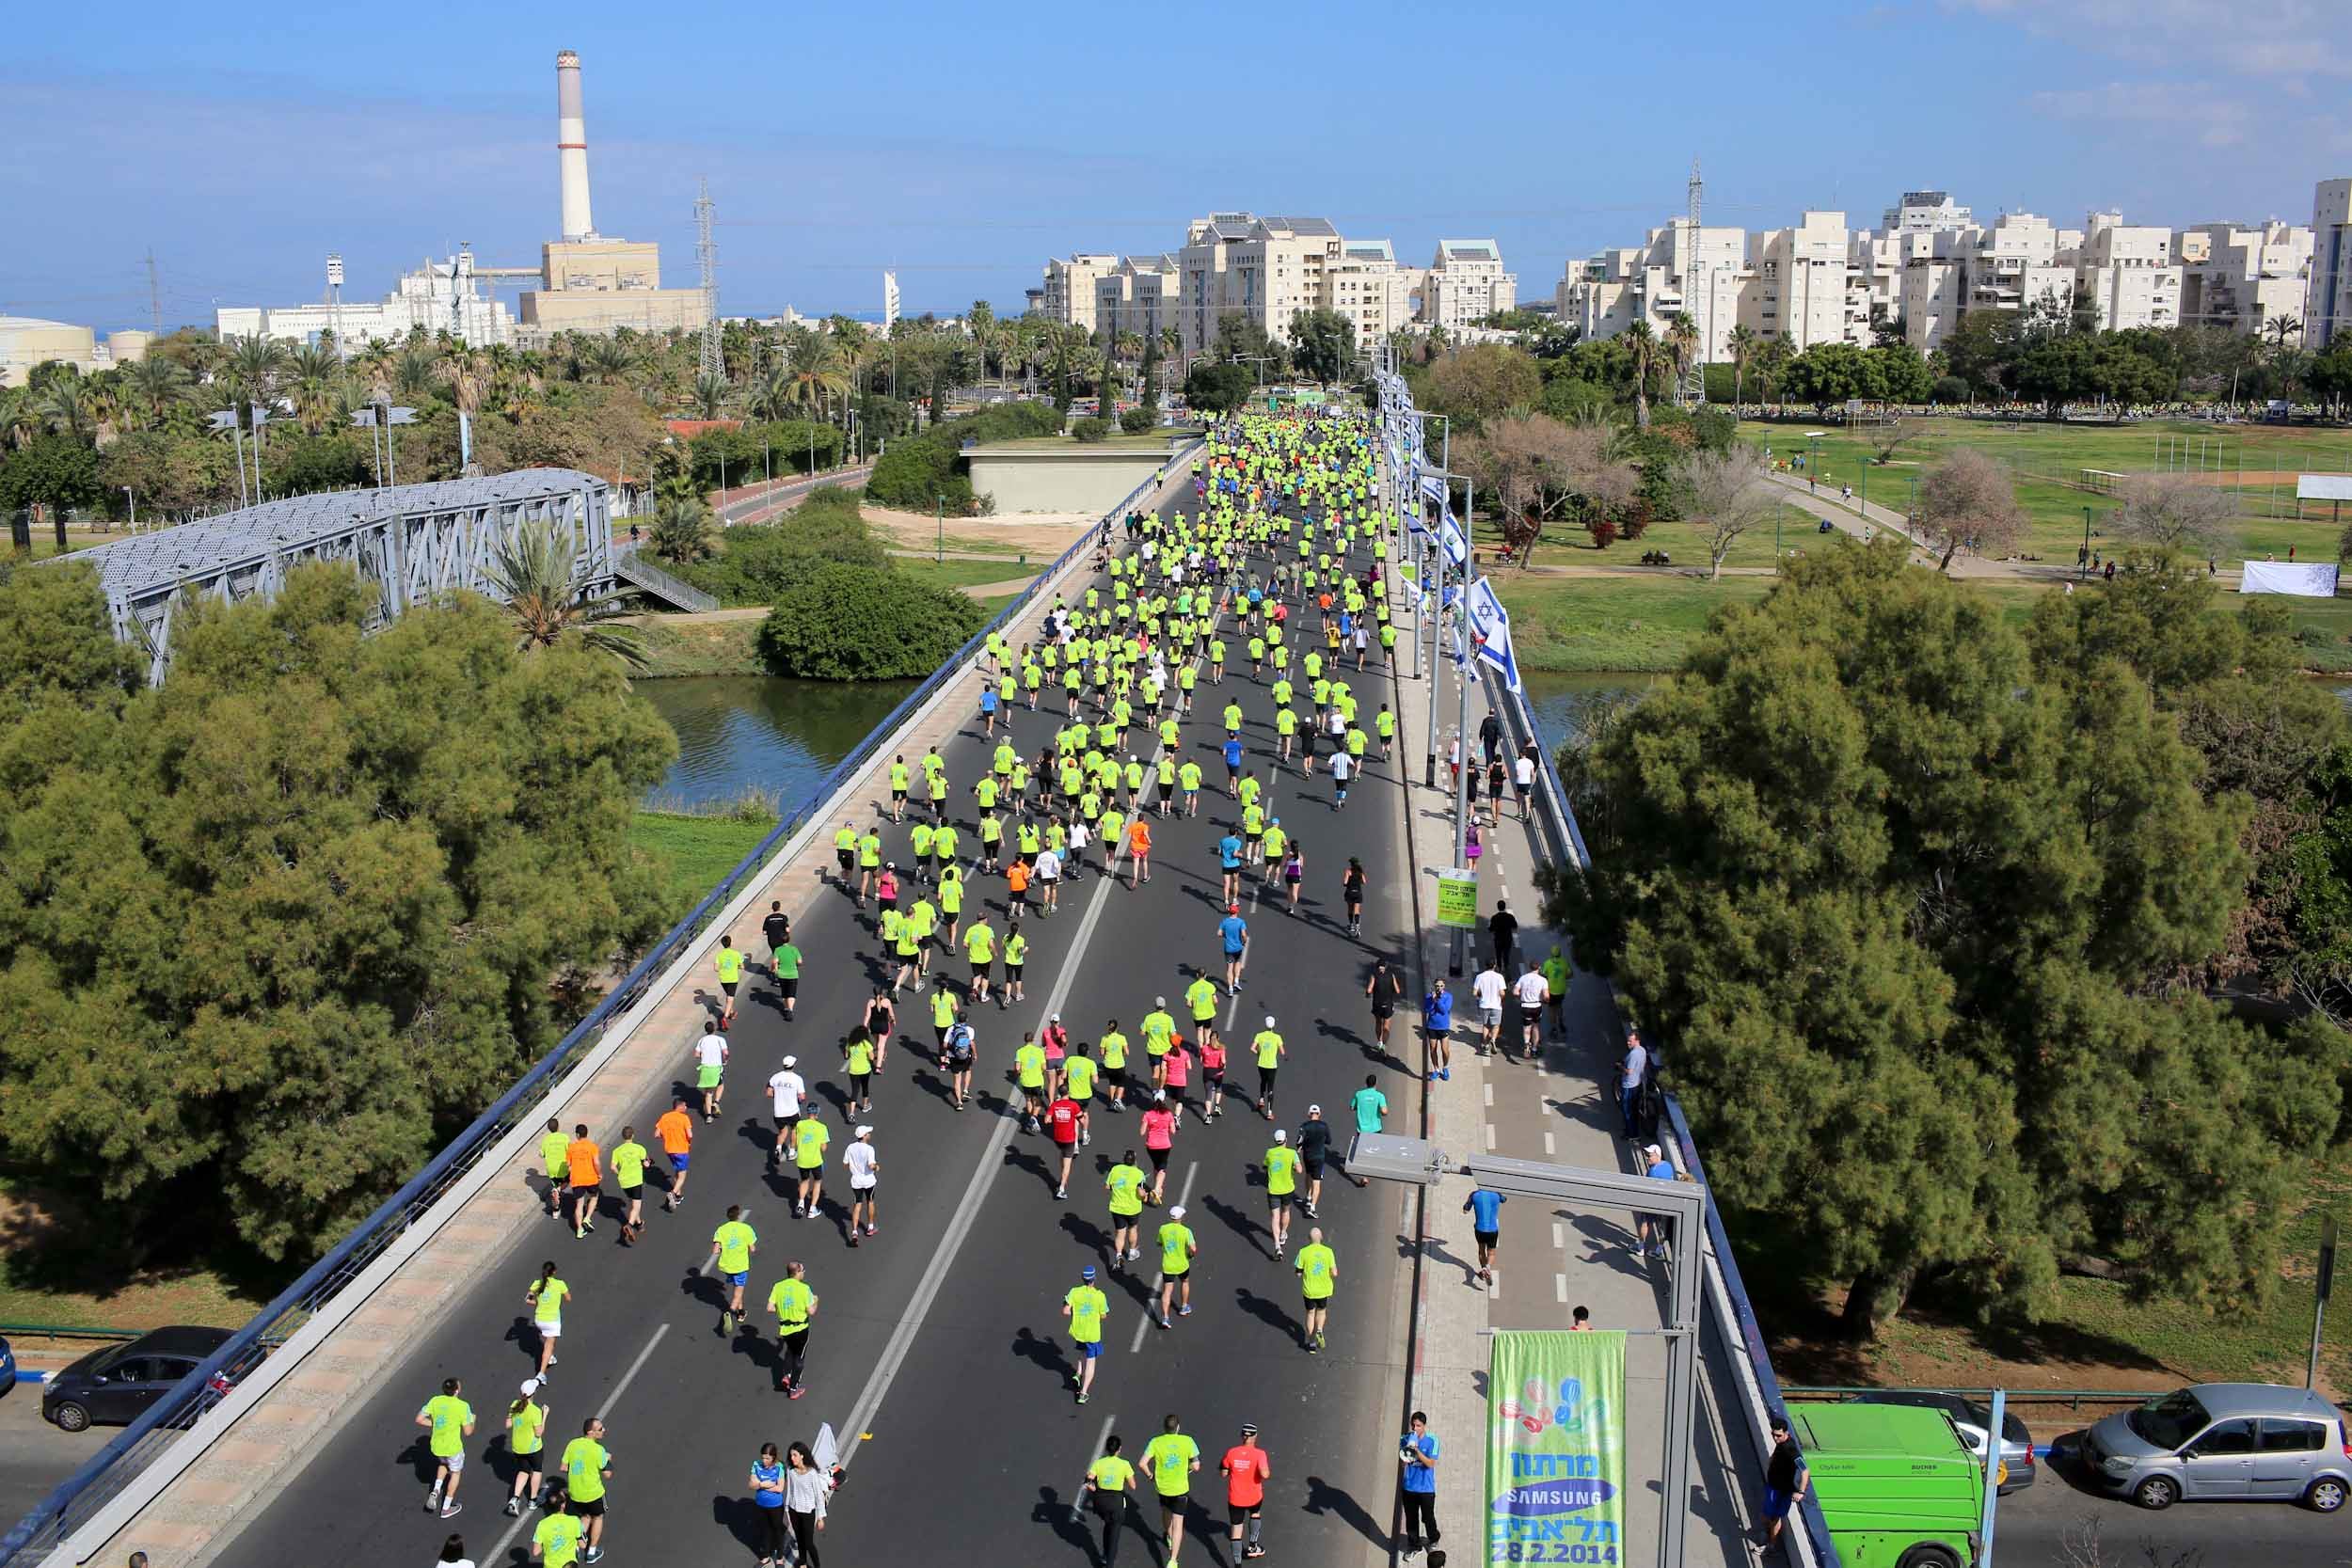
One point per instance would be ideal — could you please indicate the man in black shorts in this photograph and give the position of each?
(1384, 987)
(1314, 1147)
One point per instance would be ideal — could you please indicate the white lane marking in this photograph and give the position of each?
(1559, 1238)
(1490, 1137)
(1143, 1324)
(1548, 1148)
(1560, 1289)
(497, 1553)
(1490, 1096)
(967, 1212)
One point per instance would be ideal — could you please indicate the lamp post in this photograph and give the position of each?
(227, 420)
(2082, 567)
(939, 504)
(135, 508)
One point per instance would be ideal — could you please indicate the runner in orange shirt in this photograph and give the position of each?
(1245, 1467)
(1017, 885)
(676, 1131)
(581, 1169)
(1139, 851)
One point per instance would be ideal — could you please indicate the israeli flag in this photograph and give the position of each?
(1457, 547)
(1491, 622)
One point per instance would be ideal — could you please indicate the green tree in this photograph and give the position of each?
(537, 572)
(843, 623)
(277, 927)
(1895, 901)
(1217, 389)
(1323, 344)
(53, 470)
(1484, 382)
(681, 529)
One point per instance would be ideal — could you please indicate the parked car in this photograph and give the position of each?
(115, 1386)
(1970, 1417)
(2226, 1441)
(8, 1366)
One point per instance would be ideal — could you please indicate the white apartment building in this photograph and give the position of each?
(1702, 271)
(1367, 287)
(2127, 274)
(2328, 307)
(1467, 283)
(2021, 260)
(1139, 295)
(1802, 287)
(1925, 212)
(438, 296)
(2242, 276)
(1266, 269)
(1069, 286)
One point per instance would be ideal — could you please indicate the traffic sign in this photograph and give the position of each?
(1457, 900)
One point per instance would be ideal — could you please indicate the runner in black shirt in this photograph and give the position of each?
(1314, 1146)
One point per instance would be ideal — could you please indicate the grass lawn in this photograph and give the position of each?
(60, 1267)
(694, 852)
(2048, 462)
(2094, 1337)
(676, 646)
(1605, 623)
(959, 573)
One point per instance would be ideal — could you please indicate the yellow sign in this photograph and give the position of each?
(1457, 900)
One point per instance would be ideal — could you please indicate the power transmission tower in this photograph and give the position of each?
(154, 294)
(1693, 386)
(707, 251)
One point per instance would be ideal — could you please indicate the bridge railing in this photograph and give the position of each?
(114, 1468)
(1762, 1394)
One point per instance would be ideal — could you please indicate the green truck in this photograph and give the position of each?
(1895, 1483)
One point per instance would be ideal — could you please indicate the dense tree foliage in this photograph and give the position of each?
(916, 470)
(1900, 899)
(272, 931)
(843, 623)
(1217, 389)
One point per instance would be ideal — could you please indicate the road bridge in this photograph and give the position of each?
(940, 1353)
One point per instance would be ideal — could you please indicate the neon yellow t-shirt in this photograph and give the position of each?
(1127, 1188)
(1087, 1305)
(1316, 1270)
(629, 1163)
(449, 1416)
(1281, 1170)
(585, 1461)
(557, 1536)
(1176, 1246)
(1172, 1455)
(730, 964)
(734, 1241)
(809, 1139)
(529, 1427)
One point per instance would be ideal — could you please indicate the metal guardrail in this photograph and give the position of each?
(114, 1467)
(2073, 1398)
(59, 1331)
(630, 565)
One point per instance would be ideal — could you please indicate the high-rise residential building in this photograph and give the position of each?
(2328, 307)
(2243, 277)
(2126, 273)
(1138, 295)
(1069, 286)
(2020, 261)
(1467, 283)
(1804, 288)
(1265, 270)
(1702, 271)
(1367, 287)
(1925, 212)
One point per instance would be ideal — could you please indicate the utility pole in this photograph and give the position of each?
(707, 252)
(155, 295)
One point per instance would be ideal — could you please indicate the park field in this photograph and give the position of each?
(2048, 462)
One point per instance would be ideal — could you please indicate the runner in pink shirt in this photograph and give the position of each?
(1159, 1136)
(1179, 1071)
(1213, 1074)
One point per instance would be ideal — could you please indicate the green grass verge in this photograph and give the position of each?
(680, 647)
(694, 852)
(961, 574)
(1610, 624)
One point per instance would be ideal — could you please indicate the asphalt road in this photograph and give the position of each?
(938, 1342)
(34, 1455)
(2060, 1522)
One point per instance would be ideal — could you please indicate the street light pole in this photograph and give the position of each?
(1461, 724)
(940, 504)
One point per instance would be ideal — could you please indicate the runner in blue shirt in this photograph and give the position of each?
(1232, 763)
(1228, 860)
(1235, 933)
(1485, 1207)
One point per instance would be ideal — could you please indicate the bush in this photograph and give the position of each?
(844, 623)
(760, 564)
(1948, 389)
(1604, 533)
(1137, 421)
(1715, 428)
(914, 470)
(1090, 430)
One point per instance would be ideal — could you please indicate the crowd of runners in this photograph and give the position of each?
(1277, 568)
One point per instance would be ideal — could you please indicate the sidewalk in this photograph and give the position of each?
(1552, 1258)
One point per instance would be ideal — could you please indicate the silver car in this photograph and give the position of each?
(2225, 1441)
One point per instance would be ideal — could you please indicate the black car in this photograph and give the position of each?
(1969, 1418)
(115, 1386)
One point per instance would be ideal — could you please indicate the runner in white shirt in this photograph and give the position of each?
(787, 1088)
(1523, 780)
(865, 1167)
(710, 1064)
(1489, 987)
(1048, 870)
(1533, 991)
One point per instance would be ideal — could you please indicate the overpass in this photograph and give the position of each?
(939, 1353)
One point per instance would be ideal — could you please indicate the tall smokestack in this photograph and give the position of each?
(571, 146)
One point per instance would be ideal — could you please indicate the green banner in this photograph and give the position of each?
(1556, 1449)
(1457, 900)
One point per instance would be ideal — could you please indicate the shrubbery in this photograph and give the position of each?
(1137, 421)
(1090, 430)
(761, 562)
(916, 469)
(844, 623)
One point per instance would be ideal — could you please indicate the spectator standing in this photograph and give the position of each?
(1416, 1454)
(1785, 1481)
(1631, 1074)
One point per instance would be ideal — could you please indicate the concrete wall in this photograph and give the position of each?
(1061, 479)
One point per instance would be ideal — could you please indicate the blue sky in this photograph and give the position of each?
(963, 145)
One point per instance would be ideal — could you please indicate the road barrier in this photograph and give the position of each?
(132, 1452)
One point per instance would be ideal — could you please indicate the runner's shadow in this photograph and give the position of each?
(834, 1095)
(1371, 1051)
(418, 1455)
(1065, 1520)
(1325, 1498)
(1240, 1223)
(740, 1517)
(703, 1288)
(938, 1088)
(1045, 1352)
(757, 1135)
(1266, 1311)
(1019, 1157)
(1088, 1234)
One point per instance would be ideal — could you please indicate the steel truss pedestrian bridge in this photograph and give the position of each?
(415, 543)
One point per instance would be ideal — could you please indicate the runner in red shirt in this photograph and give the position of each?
(1066, 1119)
(1245, 1467)
(1159, 1136)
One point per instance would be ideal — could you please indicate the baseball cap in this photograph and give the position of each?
(791, 1061)
(864, 1130)
(1177, 1212)
(1249, 1429)
(1056, 1018)
(1233, 908)
(1087, 1273)
(1270, 1021)
(1159, 1002)
(531, 1386)
(1314, 1110)
(1654, 1152)
(1281, 1137)
(1159, 1094)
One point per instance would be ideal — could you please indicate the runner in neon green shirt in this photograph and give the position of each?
(555, 1541)
(1085, 1307)
(451, 1419)
(586, 1468)
(1281, 1181)
(1177, 1250)
(628, 1167)
(526, 1439)
(1318, 1276)
(809, 1137)
(731, 1248)
(1169, 1459)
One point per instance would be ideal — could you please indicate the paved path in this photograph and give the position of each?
(937, 1348)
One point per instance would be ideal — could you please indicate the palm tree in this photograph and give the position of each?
(153, 384)
(1646, 354)
(606, 361)
(1682, 341)
(416, 370)
(2280, 328)
(681, 529)
(66, 406)
(710, 395)
(18, 422)
(535, 569)
(373, 365)
(251, 370)
(815, 376)
(318, 402)
(1742, 343)
(319, 360)
(769, 394)
(467, 370)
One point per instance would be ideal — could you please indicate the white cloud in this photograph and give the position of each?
(2192, 111)
(2265, 38)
